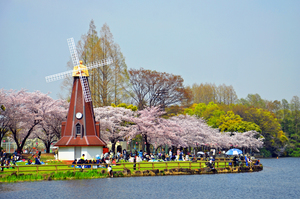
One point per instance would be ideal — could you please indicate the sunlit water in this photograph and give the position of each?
(279, 179)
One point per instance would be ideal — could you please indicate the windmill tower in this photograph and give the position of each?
(80, 134)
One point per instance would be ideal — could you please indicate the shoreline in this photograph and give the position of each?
(93, 174)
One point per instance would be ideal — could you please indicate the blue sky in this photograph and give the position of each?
(252, 45)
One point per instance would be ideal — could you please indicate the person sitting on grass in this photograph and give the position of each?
(75, 162)
(187, 157)
(147, 157)
(174, 157)
(257, 162)
(14, 159)
(113, 161)
(166, 157)
(89, 164)
(7, 162)
(98, 161)
(80, 161)
(152, 156)
(37, 161)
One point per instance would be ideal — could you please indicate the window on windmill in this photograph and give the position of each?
(78, 131)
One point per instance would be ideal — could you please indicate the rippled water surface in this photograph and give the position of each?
(279, 179)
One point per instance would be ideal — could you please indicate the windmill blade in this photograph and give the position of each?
(73, 51)
(83, 79)
(85, 89)
(59, 76)
(100, 63)
(69, 73)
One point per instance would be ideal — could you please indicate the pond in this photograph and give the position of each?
(279, 179)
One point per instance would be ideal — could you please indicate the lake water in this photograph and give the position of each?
(279, 179)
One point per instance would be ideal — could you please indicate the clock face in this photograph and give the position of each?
(78, 115)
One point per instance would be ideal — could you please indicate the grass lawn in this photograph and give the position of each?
(30, 173)
(44, 156)
(53, 166)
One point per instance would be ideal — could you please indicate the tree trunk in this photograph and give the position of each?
(2, 134)
(147, 144)
(143, 144)
(48, 147)
(113, 146)
(20, 146)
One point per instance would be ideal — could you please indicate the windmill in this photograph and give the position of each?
(80, 133)
(79, 69)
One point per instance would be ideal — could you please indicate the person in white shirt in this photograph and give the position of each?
(170, 154)
(110, 173)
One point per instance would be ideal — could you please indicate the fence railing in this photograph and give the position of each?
(119, 166)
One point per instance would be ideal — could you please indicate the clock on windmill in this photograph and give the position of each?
(80, 133)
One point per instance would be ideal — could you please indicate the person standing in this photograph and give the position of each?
(110, 172)
(170, 154)
(134, 164)
(178, 153)
(163, 156)
(55, 153)
(1, 154)
(141, 155)
(2, 159)
(125, 154)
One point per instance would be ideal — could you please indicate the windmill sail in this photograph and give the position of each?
(79, 68)
(73, 51)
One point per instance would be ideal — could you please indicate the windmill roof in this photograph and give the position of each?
(91, 140)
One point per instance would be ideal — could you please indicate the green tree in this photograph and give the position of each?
(275, 138)
(285, 117)
(210, 112)
(295, 113)
(106, 82)
(253, 100)
(234, 123)
(124, 105)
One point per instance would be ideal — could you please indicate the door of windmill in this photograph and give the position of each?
(77, 152)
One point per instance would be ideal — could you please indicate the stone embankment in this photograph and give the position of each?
(89, 174)
(183, 171)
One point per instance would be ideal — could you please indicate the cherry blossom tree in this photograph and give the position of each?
(4, 128)
(246, 140)
(114, 122)
(21, 110)
(154, 129)
(51, 113)
(197, 133)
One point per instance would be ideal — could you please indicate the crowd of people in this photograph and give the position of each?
(238, 160)
(9, 159)
(111, 158)
(138, 156)
(159, 156)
